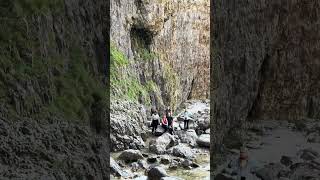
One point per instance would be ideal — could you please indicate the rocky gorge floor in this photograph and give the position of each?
(278, 150)
(184, 155)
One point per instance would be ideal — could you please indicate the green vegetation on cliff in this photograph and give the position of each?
(38, 77)
(124, 84)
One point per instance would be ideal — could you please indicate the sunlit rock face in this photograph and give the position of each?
(265, 62)
(178, 33)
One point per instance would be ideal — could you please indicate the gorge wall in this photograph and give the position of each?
(265, 62)
(167, 45)
(52, 70)
(53, 58)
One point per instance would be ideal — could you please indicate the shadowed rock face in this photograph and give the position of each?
(265, 62)
(52, 62)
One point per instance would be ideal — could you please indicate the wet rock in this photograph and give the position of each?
(286, 160)
(221, 176)
(304, 171)
(135, 166)
(174, 164)
(313, 137)
(162, 143)
(117, 170)
(204, 140)
(190, 136)
(186, 163)
(195, 165)
(165, 159)
(204, 123)
(130, 155)
(152, 159)
(308, 154)
(182, 151)
(269, 172)
(143, 164)
(156, 173)
(159, 131)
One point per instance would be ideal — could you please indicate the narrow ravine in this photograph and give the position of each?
(184, 155)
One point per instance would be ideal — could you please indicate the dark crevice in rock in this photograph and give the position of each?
(254, 111)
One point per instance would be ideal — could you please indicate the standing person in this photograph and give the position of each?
(153, 110)
(155, 121)
(243, 167)
(164, 123)
(168, 110)
(186, 119)
(170, 122)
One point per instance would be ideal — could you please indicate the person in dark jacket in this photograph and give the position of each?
(168, 110)
(170, 122)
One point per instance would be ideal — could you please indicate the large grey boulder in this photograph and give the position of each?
(130, 155)
(127, 125)
(183, 151)
(162, 143)
(204, 140)
(190, 136)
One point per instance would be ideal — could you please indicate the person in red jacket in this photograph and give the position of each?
(164, 123)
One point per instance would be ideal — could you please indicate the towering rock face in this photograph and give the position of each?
(52, 58)
(52, 64)
(265, 62)
(177, 32)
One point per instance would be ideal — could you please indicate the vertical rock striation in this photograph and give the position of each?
(177, 32)
(265, 62)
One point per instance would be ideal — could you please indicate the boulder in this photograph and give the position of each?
(270, 171)
(186, 163)
(143, 164)
(159, 131)
(165, 159)
(286, 160)
(156, 173)
(204, 140)
(152, 159)
(313, 137)
(190, 136)
(304, 171)
(204, 123)
(182, 151)
(116, 169)
(130, 155)
(127, 125)
(308, 154)
(162, 143)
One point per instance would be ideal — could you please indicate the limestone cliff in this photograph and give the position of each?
(265, 62)
(52, 67)
(167, 44)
